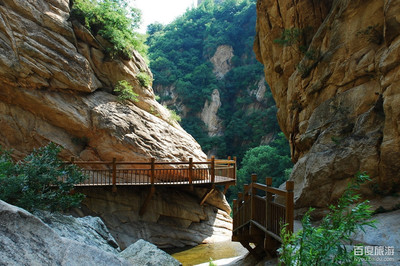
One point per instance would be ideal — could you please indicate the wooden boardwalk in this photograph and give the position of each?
(259, 214)
(124, 173)
(152, 174)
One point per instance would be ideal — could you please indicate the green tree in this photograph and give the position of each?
(114, 22)
(39, 181)
(266, 161)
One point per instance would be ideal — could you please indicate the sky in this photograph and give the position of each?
(163, 11)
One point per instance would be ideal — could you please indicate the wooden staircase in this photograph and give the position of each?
(259, 214)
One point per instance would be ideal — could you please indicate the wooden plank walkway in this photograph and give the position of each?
(122, 173)
(259, 214)
(151, 173)
(219, 180)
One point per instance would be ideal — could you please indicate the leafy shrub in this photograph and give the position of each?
(39, 181)
(125, 92)
(175, 116)
(112, 20)
(144, 79)
(326, 244)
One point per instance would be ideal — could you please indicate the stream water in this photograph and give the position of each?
(206, 252)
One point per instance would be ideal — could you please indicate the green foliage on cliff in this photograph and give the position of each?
(180, 57)
(326, 244)
(125, 92)
(35, 182)
(112, 20)
(144, 79)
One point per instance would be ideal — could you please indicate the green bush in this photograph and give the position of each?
(144, 79)
(112, 20)
(39, 181)
(326, 243)
(125, 92)
(174, 116)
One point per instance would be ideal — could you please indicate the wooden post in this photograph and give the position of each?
(226, 188)
(239, 206)
(212, 169)
(190, 171)
(152, 160)
(207, 194)
(114, 175)
(253, 193)
(245, 192)
(289, 205)
(234, 170)
(254, 178)
(268, 199)
(228, 170)
(234, 226)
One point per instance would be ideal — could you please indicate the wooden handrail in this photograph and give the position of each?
(212, 169)
(255, 216)
(114, 173)
(272, 190)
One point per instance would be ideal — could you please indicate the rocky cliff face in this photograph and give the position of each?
(56, 85)
(173, 217)
(337, 102)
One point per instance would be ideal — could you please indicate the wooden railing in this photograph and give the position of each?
(113, 173)
(260, 212)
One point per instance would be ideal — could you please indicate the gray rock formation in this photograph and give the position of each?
(145, 253)
(87, 230)
(26, 240)
(57, 239)
(221, 60)
(209, 114)
(387, 232)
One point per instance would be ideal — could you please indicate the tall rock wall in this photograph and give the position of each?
(338, 101)
(56, 84)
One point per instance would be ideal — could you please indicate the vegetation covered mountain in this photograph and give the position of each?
(205, 69)
(181, 55)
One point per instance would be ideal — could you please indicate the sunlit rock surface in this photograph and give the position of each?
(56, 84)
(338, 105)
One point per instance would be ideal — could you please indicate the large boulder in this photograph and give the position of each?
(338, 101)
(144, 253)
(385, 233)
(86, 230)
(24, 239)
